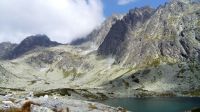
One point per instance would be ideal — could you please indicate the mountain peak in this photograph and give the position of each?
(31, 43)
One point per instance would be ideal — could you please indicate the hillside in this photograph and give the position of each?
(147, 52)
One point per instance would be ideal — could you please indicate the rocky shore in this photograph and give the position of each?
(29, 103)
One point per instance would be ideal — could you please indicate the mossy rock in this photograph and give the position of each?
(72, 72)
(154, 62)
(192, 93)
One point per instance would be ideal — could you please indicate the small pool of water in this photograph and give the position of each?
(174, 104)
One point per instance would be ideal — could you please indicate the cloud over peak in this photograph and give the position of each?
(124, 2)
(61, 20)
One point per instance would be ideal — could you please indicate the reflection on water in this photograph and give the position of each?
(176, 104)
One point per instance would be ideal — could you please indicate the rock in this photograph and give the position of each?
(55, 105)
(98, 35)
(8, 103)
(115, 41)
(40, 109)
(5, 48)
(145, 33)
(31, 43)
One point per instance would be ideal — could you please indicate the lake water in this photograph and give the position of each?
(176, 104)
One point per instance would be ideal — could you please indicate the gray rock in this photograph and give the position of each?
(5, 48)
(31, 43)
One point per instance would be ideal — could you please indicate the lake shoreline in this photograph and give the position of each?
(156, 104)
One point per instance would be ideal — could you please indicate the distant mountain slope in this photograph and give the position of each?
(144, 34)
(31, 43)
(148, 52)
(97, 36)
(5, 48)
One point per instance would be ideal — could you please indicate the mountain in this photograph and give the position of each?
(145, 34)
(30, 43)
(97, 36)
(146, 52)
(120, 33)
(5, 48)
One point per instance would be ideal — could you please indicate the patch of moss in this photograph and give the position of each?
(151, 61)
(192, 93)
(198, 23)
(193, 66)
(72, 72)
(66, 73)
(172, 20)
(154, 62)
(120, 109)
(195, 93)
(89, 95)
(91, 106)
(167, 94)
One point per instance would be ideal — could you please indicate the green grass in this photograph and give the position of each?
(193, 93)
(72, 72)
(198, 23)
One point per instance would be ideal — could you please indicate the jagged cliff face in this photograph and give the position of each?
(144, 34)
(98, 35)
(116, 39)
(146, 50)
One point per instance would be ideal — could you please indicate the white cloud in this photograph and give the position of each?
(61, 20)
(124, 2)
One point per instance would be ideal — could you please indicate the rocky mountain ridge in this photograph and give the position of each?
(5, 48)
(159, 32)
(147, 52)
(29, 44)
(97, 36)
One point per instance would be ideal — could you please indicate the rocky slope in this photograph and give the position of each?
(148, 52)
(30, 43)
(52, 104)
(5, 48)
(163, 44)
(96, 37)
(170, 31)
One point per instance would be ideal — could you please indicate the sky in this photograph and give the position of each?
(61, 20)
(123, 6)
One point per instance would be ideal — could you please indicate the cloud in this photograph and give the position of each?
(61, 20)
(124, 2)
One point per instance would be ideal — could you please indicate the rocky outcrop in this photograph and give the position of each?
(5, 76)
(31, 43)
(115, 40)
(5, 48)
(13, 103)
